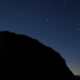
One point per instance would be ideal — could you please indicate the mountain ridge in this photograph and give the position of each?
(31, 56)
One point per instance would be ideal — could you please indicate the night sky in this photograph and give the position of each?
(56, 23)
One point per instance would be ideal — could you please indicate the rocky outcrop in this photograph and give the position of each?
(31, 59)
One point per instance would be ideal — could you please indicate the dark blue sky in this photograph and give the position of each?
(55, 23)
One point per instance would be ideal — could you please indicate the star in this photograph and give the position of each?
(47, 20)
(78, 24)
(66, 2)
(50, 3)
(78, 29)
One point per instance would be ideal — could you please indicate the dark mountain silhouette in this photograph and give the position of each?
(77, 77)
(24, 57)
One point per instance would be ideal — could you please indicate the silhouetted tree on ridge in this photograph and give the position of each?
(27, 56)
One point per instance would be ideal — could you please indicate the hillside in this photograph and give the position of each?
(27, 57)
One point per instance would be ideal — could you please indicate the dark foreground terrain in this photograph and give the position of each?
(77, 77)
(22, 57)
